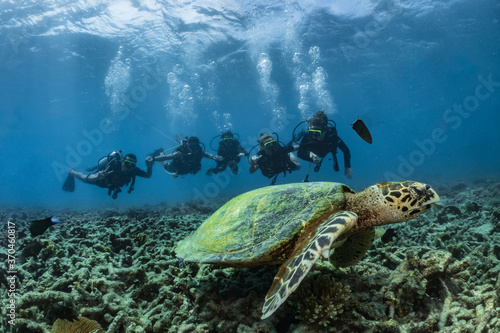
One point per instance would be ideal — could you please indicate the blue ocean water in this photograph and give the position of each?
(82, 78)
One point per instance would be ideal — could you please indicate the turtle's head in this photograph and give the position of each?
(406, 200)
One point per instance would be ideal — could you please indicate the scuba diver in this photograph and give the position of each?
(230, 150)
(273, 158)
(185, 159)
(321, 139)
(112, 172)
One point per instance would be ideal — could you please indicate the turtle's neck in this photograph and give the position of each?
(369, 205)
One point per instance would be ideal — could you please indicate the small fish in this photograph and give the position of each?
(360, 128)
(38, 227)
(59, 311)
(388, 236)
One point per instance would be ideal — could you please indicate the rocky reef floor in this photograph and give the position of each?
(437, 273)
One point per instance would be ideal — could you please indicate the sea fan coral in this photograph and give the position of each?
(320, 300)
(81, 325)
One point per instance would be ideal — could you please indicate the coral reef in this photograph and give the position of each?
(320, 301)
(81, 325)
(438, 273)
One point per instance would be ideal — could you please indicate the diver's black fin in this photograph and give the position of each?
(69, 184)
(156, 153)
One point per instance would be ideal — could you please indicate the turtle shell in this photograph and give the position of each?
(261, 226)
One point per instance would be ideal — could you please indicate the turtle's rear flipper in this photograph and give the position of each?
(310, 246)
(353, 249)
(69, 184)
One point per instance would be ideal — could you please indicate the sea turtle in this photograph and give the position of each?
(295, 224)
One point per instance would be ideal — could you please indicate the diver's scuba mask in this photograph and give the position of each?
(271, 145)
(129, 164)
(315, 133)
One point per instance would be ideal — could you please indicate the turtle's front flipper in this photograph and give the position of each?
(309, 248)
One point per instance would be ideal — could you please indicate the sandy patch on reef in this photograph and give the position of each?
(439, 273)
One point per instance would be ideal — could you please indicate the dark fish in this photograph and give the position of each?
(57, 310)
(388, 236)
(360, 128)
(38, 227)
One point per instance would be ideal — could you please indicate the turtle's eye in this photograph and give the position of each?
(418, 190)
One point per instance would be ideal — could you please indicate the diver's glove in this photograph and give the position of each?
(255, 159)
(240, 155)
(150, 161)
(314, 157)
(218, 158)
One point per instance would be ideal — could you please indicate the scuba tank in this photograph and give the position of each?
(111, 162)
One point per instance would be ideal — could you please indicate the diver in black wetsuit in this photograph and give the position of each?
(321, 139)
(273, 158)
(230, 151)
(186, 158)
(115, 172)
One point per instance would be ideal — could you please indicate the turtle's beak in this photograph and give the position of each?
(424, 196)
(433, 197)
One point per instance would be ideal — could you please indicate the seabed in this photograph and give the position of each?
(438, 273)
